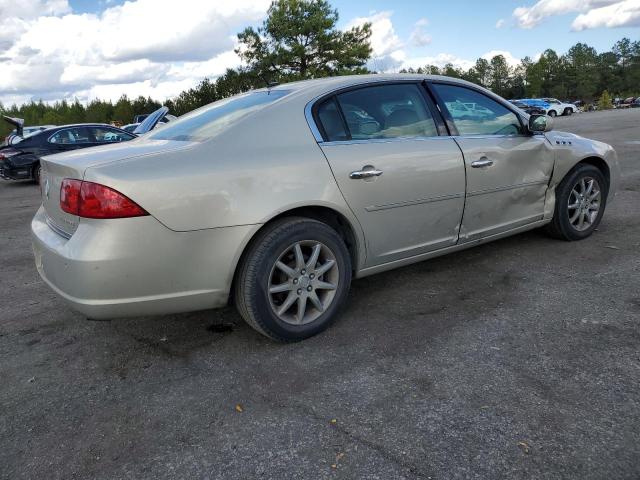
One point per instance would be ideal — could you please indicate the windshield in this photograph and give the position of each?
(208, 121)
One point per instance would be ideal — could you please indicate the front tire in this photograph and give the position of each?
(293, 279)
(581, 199)
(567, 112)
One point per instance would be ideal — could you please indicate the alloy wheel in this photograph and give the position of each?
(584, 203)
(303, 282)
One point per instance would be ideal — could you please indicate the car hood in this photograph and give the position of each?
(85, 158)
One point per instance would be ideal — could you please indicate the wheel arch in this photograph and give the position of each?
(331, 216)
(600, 164)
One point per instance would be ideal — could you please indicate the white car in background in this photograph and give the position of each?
(557, 108)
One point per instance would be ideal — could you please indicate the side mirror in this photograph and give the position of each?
(540, 123)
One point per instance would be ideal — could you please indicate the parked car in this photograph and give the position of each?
(274, 201)
(556, 107)
(26, 132)
(21, 159)
(636, 103)
(529, 109)
(628, 102)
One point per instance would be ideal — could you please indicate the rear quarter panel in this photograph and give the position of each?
(256, 169)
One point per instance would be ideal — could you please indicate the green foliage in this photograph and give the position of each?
(605, 103)
(299, 40)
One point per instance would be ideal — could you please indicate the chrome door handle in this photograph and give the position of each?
(365, 174)
(483, 162)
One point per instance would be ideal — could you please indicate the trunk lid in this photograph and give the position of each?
(151, 121)
(73, 164)
(16, 122)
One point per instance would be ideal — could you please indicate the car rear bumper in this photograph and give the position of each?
(137, 266)
(17, 173)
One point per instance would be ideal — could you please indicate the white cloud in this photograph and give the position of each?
(508, 56)
(622, 14)
(500, 23)
(383, 36)
(47, 51)
(439, 60)
(387, 48)
(419, 36)
(593, 12)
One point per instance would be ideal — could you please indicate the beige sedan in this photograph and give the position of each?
(275, 199)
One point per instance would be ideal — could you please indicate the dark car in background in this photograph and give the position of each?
(21, 159)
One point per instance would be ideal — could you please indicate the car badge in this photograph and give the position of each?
(47, 187)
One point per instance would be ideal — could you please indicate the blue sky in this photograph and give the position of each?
(465, 28)
(85, 49)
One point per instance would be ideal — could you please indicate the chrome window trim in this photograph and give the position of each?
(488, 135)
(308, 108)
(308, 114)
(382, 140)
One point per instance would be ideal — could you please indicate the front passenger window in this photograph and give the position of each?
(474, 113)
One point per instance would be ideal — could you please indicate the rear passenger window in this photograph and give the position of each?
(331, 121)
(387, 111)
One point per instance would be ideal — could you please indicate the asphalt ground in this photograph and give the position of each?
(518, 359)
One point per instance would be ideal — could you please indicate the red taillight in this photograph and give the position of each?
(70, 195)
(92, 200)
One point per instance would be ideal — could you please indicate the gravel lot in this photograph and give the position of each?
(517, 359)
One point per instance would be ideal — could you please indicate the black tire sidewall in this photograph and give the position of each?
(37, 170)
(266, 258)
(562, 199)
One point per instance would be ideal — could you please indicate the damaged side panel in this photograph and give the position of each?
(570, 149)
(510, 191)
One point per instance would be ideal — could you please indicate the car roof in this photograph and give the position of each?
(352, 80)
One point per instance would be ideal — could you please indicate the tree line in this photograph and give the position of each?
(580, 74)
(299, 40)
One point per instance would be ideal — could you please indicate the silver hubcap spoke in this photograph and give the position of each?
(303, 282)
(584, 203)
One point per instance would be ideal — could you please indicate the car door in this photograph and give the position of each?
(404, 183)
(508, 169)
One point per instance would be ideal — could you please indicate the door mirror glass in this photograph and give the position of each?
(540, 123)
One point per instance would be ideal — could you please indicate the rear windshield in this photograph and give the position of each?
(207, 122)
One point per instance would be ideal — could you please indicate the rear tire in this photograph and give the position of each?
(581, 198)
(552, 113)
(293, 280)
